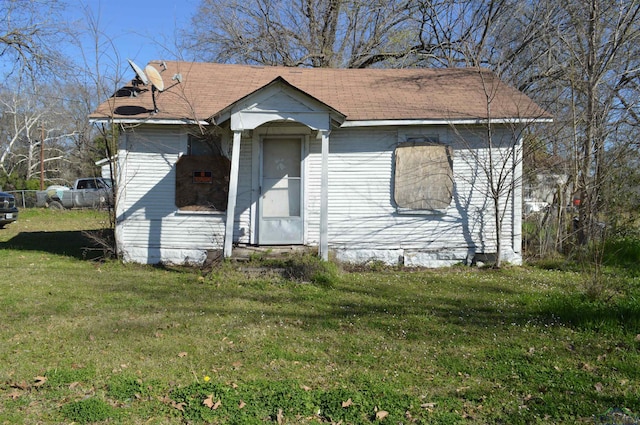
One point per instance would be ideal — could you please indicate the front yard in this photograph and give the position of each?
(86, 341)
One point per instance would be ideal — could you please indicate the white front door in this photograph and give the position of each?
(280, 207)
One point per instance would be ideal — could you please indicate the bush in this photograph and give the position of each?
(32, 184)
(88, 410)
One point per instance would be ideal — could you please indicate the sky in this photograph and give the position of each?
(140, 30)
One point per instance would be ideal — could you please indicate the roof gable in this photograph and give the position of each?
(276, 101)
(449, 94)
(280, 101)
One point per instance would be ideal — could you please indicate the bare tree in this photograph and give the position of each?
(31, 32)
(31, 35)
(602, 31)
(584, 68)
(579, 59)
(36, 131)
(346, 33)
(325, 33)
(493, 149)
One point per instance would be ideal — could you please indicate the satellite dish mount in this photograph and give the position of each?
(151, 75)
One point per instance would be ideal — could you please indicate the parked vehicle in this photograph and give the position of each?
(88, 192)
(8, 209)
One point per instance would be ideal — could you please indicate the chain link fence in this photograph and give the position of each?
(24, 198)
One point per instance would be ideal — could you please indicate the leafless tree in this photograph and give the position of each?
(579, 59)
(36, 133)
(324, 33)
(604, 71)
(31, 33)
(584, 68)
(346, 33)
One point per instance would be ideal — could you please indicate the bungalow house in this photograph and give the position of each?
(368, 164)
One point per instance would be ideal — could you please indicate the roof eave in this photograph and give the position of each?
(161, 121)
(443, 121)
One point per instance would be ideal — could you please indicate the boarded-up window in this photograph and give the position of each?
(202, 177)
(423, 175)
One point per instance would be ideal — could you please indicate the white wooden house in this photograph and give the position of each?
(368, 164)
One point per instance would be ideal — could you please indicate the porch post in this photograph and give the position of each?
(516, 198)
(233, 191)
(324, 198)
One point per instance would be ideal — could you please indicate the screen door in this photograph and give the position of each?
(280, 210)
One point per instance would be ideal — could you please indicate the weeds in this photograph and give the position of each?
(124, 387)
(310, 268)
(66, 376)
(88, 410)
(261, 401)
(102, 245)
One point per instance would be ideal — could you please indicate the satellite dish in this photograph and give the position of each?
(154, 77)
(140, 75)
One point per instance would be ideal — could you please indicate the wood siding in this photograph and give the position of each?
(362, 211)
(150, 229)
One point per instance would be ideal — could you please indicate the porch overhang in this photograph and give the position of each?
(278, 101)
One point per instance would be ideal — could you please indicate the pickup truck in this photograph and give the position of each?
(89, 192)
(8, 210)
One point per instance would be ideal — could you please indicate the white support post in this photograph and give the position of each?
(324, 198)
(233, 192)
(517, 196)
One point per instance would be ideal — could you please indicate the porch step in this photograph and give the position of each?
(247, 252)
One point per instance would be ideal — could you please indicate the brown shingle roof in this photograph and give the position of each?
(360, 94)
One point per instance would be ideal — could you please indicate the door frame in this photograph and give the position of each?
(300, 132)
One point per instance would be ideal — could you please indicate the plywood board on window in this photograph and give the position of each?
(423, 176)
(192, 194)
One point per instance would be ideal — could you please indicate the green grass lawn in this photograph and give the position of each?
(85, 341)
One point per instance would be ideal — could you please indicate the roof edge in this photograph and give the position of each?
(469, 121)
(165, 121)
(345, 124)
